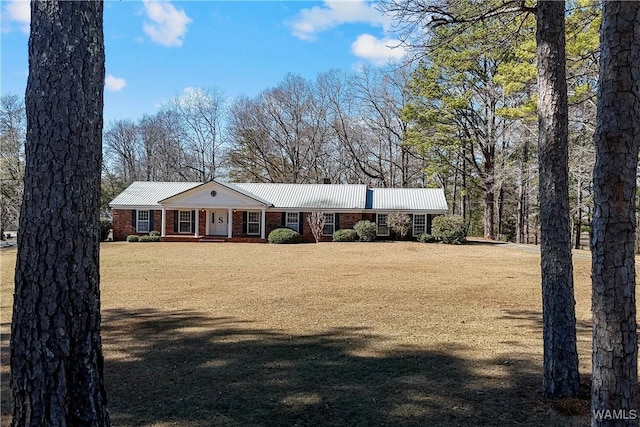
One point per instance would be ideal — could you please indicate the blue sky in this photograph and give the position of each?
(156, 50)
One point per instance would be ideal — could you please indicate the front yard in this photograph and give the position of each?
(332, 334)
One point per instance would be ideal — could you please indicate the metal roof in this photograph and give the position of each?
(309, 196)
(298, 196)
(409, 199)
(146, 193)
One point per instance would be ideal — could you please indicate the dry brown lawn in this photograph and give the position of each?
(331, 334)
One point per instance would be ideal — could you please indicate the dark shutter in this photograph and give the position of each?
(175, 221)
(336, 222)
(301, 222)
(284, 219)
(193, 221)
(134, 225)
(150, 220)
(429, 219)
(244, 222)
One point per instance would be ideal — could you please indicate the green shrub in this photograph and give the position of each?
(284, 236)
(347, 235)
(154, 233)
(132, 238)
(450, 229)
(426, 238)
(366, 230)
(105, 228)
(149, 239)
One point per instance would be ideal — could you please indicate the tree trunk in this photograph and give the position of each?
(561, 378)
(56, 356)
(617, 136)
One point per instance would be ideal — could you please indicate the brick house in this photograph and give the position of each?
(188, 211)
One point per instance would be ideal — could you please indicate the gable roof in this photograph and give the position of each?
(356, 197)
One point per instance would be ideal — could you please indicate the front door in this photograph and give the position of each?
(218, 221)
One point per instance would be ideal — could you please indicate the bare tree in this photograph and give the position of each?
(316, 222)
(617, 137)
(12, 135)
(56, 350)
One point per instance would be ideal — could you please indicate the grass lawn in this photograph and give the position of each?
(330, 334)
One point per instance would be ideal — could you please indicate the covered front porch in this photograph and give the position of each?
(215, 224)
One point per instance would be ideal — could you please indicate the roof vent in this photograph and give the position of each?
(326, 181)
(213, 193)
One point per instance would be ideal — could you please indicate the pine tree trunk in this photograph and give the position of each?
(617, 136)
(56, 356)
(561, 378)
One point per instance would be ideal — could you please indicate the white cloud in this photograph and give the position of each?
(166, 25)
(18, 11)
(377, 51)
(114, 84)
(333, 13)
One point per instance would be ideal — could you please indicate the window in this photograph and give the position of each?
(419, 224)
(142, 225)
(329, 224)
(184, 222)
(291, 220)
(381, 221)
(253, 222)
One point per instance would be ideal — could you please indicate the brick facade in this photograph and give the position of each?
(123, 223)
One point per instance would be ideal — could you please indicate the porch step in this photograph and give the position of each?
(209, 240)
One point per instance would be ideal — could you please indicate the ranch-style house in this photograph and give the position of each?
(221, 211)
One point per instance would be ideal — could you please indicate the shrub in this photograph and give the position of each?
(132, 238)
(426, 238)
(284, 236)
(366, 230)
(348, 235)
(105, 228)
(399, 223)
(449, 229)
(149, 239)
(316, 223)
(154, 233)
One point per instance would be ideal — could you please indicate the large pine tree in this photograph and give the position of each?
(56, 356)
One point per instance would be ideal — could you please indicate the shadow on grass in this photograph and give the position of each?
(184, 368)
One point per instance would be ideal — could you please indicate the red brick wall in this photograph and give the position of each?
(122, 225)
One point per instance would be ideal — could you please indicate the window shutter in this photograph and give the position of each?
(429, 218)
(336, 222)
(244, 222)
(284, 219)
(193, 221)
(150, 220)
(134, 224)
(175, 221)
(301, 223)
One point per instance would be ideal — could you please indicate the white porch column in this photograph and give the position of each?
(197, 224)
(163, 229)
(230, 224)
(262, 223)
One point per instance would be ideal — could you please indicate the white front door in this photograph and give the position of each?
(218, 221)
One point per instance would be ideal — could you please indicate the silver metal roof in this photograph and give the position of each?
(298, 196)
(409, 199)
(146, 193)
(310, 196)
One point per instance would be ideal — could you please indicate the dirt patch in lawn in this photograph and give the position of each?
(331, 334)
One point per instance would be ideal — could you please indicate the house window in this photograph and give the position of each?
(419, 224)
(329, 224)
(381, 221)
(184, 222)
(292, 220)
(142, 225)
(253, 222)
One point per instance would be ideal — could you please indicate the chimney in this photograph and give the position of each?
(326, 181)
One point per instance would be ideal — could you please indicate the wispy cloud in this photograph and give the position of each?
(18, 12)
(166, 25)
(333, 13)
(377, 51)
(114, 84)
